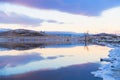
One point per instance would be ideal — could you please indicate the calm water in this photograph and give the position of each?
(52, 63)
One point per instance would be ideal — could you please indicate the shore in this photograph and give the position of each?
(61, 39)
(21, 36)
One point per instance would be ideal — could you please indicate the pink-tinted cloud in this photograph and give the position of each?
(14, 18)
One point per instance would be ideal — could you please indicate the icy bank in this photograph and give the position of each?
(110, 70)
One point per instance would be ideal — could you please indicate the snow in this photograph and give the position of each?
(111, 70)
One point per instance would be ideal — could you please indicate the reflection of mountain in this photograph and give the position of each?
(18, 46)
(27, 46)
(52, 58)
(26, 38)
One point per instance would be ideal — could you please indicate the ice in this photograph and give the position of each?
(111, 70)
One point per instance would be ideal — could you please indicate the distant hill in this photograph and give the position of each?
(105, 34)
(21, 32)
(24, 32)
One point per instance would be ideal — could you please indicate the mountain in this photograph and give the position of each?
(107, 35)
(21, 32)
(25, 32)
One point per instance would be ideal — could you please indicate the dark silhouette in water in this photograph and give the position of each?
(18, 46)
(27, 46)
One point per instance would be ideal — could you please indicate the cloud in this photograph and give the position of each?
(13, 18)
(108, 21)
(53, 21)
(85, 7)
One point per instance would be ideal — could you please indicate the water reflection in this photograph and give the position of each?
(45, 63)
(75, 72)
(20, 46)
(13, 61)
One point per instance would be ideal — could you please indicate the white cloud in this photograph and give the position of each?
(108, 21)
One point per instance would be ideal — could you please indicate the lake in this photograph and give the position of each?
(52, 63)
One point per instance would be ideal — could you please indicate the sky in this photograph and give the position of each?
(95, 16)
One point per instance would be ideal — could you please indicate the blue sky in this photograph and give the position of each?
(61, 15)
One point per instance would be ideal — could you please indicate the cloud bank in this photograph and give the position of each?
(84, 7)
(54, 20)
(13, 18)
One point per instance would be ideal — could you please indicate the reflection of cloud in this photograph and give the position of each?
(11, 64)
(12, 61)
(77, 58)
(75, 72)
(54, 57)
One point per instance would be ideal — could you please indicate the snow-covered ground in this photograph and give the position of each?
(111, 69)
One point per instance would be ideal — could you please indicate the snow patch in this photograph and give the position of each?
(111, 70)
